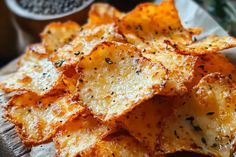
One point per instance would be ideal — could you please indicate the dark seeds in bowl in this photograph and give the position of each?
(50, 7)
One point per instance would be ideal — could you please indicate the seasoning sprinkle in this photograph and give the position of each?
(210, 113)
(108, 60)
(59, 63)
(138, 71)
(197, 128)
(177, 136)
(201, 66)
(77, 53)
(203, 140)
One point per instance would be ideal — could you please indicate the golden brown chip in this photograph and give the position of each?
(56, 34)
(181, 70)
(115, 78)
(146, 120)
(36, 73)
(38, 118)
(79, 135)
(149, 25)
(210, 44)
(102, 13)
(211, 63)
(71, 53)
(204, 122)
(118, 146)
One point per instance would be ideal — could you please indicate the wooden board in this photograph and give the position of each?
(10, 143)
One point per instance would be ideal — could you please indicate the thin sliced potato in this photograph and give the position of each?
(181, 70)
(102, 13)
(70, 54)
(118, 146)
(122, 77)
(149, 25)
(210, 44)
(38, 118)
(79, 135)
(56, 34)
(205, 120)
(145, 121)
(36, 73)
(211, 63)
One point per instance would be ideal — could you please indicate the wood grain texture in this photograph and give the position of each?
(10, 143)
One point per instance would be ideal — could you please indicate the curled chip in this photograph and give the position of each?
(211, 63)
(118, 146)
(57, 34)
(146, 120)
(71, 53)
(36, 73)
(149, 25)
(122, 77)
(79, 135)
(181, 70)
(204, 122)
(38, 118)
(102, 13)
(210, 44)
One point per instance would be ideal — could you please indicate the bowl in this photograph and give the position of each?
(33, 24)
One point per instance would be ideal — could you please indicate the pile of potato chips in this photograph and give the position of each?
(134, 84)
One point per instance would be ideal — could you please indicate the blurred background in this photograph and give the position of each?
(13, 38)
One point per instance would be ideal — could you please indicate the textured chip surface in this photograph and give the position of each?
(122, 77)
(102, 13)
(38, 118)
(210, 44)
(36, 73)
(181, 70)
(56, 34)
(211, 63)
(149, 25)
(71, 53)
(145, 121)
(204, 122)
(118, 146)
(79, 135)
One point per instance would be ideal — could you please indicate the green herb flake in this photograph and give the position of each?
(59, 63)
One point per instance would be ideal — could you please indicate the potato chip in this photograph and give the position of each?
(145, 121)
(210, 44)
(38, 118)
(118, 146)
(36, 73)
(211, 63)
(102, 13)
(79, 135)
(205, 120)
(56, 34)
(70, 54)
(181, 70)
(122, 77)
(149, 25)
